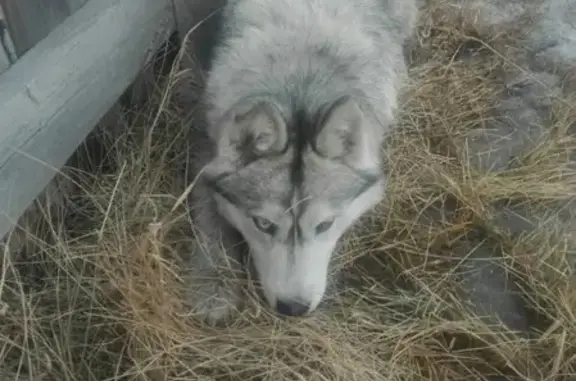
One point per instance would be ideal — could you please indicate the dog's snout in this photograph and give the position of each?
(292, 307)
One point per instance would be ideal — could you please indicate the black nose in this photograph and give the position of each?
(291, 308)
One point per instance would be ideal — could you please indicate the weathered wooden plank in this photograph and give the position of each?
(4, 59)
(29, 21)
(74, 5)
(4, 62)
(53, 96)
(7, 53)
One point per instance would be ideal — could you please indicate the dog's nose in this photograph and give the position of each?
(291, 308)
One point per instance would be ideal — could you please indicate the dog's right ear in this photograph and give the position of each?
(345, 134)
(256, 130)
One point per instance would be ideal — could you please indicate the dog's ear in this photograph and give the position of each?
(256, 130)
(344, 133)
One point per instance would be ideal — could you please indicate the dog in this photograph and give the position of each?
(297, 101)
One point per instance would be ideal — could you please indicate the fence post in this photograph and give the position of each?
(29, 21)
(55, 94)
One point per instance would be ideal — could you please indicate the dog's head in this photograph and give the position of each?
(292, 185)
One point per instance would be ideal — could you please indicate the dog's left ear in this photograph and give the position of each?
(346, 134)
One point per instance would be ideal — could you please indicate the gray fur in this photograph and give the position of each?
(298, 100)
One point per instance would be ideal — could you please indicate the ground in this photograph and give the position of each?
(465, 272)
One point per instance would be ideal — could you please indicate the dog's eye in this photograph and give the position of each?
(264, 225)
(324, 226)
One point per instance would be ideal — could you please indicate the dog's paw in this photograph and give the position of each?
(212, 301)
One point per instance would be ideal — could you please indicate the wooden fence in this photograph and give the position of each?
(73, 60)
(31, 20)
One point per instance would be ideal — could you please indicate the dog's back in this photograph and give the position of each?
(309, 52)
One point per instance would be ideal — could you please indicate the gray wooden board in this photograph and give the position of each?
(54, 95)
(29, 21)
(7, 53)
(74, 5)
(4, 61)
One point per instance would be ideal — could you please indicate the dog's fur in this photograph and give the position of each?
(298, 99)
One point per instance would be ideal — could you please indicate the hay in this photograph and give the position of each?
(99, 298)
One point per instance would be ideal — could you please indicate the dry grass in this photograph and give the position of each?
(98, 297)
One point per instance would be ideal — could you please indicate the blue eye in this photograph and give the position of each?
(324, 226)
(264, 225)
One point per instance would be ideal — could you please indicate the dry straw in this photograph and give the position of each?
(99, 296)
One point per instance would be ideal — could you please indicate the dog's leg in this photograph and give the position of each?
(214, 264)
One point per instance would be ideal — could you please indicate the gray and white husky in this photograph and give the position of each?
(298, 98)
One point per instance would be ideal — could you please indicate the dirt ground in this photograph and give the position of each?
(465, 272)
